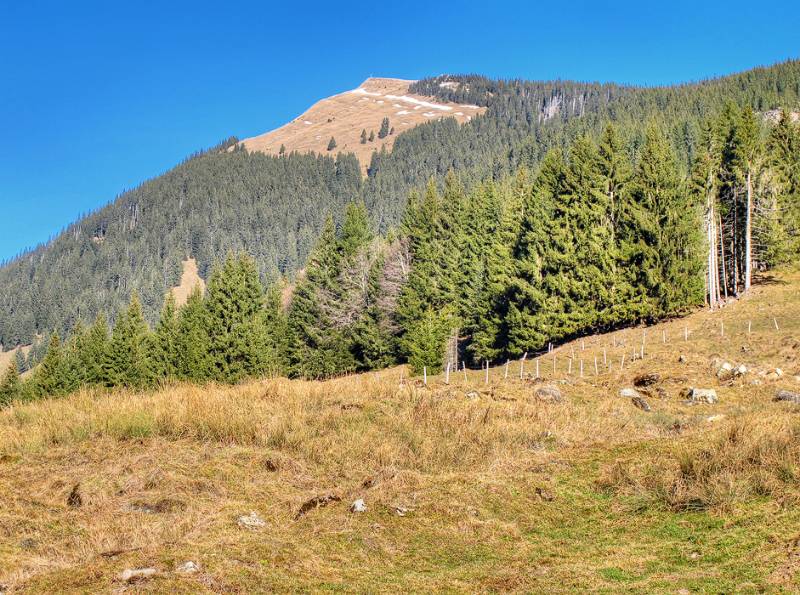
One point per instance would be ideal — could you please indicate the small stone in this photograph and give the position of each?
(787, 396)
(694, 556)
(714, 418)
(629, 393)
(358, 506)
(684, 592)
(28, 543)
(646, 379)
(188, 568)
(131, 575)
(641, 403)
(548, 393)
(682, 359)
(725, 371)
(797, 379)
(778, 372)
(473, 394)
(700, 395)
(252, 521)
(400, 510)
(740, 370)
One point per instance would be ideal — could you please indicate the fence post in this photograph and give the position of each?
(447, 373)
(487, 372)
(425, 375)
(522, 365)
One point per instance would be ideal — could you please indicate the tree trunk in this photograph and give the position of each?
(748, 247)
(722, 255)
(712, 249)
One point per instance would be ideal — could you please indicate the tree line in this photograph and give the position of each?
(604, 234)
(274, 207)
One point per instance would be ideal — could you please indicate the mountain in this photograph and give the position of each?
(345, 116)
(244, 196)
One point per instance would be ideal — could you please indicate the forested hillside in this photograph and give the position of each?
(275, 208)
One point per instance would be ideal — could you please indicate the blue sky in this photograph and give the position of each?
(97, 97)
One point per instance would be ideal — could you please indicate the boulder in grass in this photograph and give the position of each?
(787, 396)
(640, 403)
(695, 396)
(358, 506)
(188, 568)
(548, 393)
(251, 521)
(629, 393)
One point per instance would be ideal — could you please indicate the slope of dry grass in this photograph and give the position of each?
(499, 492)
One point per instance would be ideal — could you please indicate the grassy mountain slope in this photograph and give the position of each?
(273, 207)
(471, 486)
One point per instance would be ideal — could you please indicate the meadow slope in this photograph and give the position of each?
(473, 486)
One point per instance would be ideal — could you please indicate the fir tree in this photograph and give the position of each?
(129, 363)
(52, 376)
(426, 341)
(371, 135)
(95, 352)
(234, 302)
(193, 342)
(10, 386)
(165, 344)
(332, 144)
(384, 129)
(363, 136)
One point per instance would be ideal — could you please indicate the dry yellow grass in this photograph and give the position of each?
(190, 278)
(502, 492)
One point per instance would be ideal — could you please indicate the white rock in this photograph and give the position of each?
(131, 575)
(726, 366)
(400, 510)
(779, 372)
(702, 395)
(740, 370)
(358, 506)
(251, 521)
(188, 568)
(713, 418)
(629, 393)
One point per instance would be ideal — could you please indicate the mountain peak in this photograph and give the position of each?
(344, 116)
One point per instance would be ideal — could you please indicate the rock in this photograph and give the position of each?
(778, 372)
(473, 394)
(740, 370)
(400, 510)
(252, 521)
(713, 418)
(629, 393)
(682, 359)
(131, 575)
(358, 506)
(797, 379)
(188, 568)
(700, 395)
(646, 379)
(787, 396)
(548, 393)
(725, 371)
(641, 403)
(662, 393)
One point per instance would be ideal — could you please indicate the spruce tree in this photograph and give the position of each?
(95, 352)
(194, 360)
(234, 302)
(384, 129)
(52, 376)
(371, 135)
(426, 341)
(165, 341)
(332, 144)
(363, 136)
(10, 386)
(129, 360)
(535, 301)
(277, 331)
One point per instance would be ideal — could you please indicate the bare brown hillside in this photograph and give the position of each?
(345, 115)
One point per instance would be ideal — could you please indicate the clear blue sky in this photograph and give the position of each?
(97, 97)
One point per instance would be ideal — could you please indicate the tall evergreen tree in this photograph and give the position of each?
(10, 385)
(234, 302)
(165, 341)
(52, 376)
(129, 363)
(384, 130)
(193, 342)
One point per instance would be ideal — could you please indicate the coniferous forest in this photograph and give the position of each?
(566, 209)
